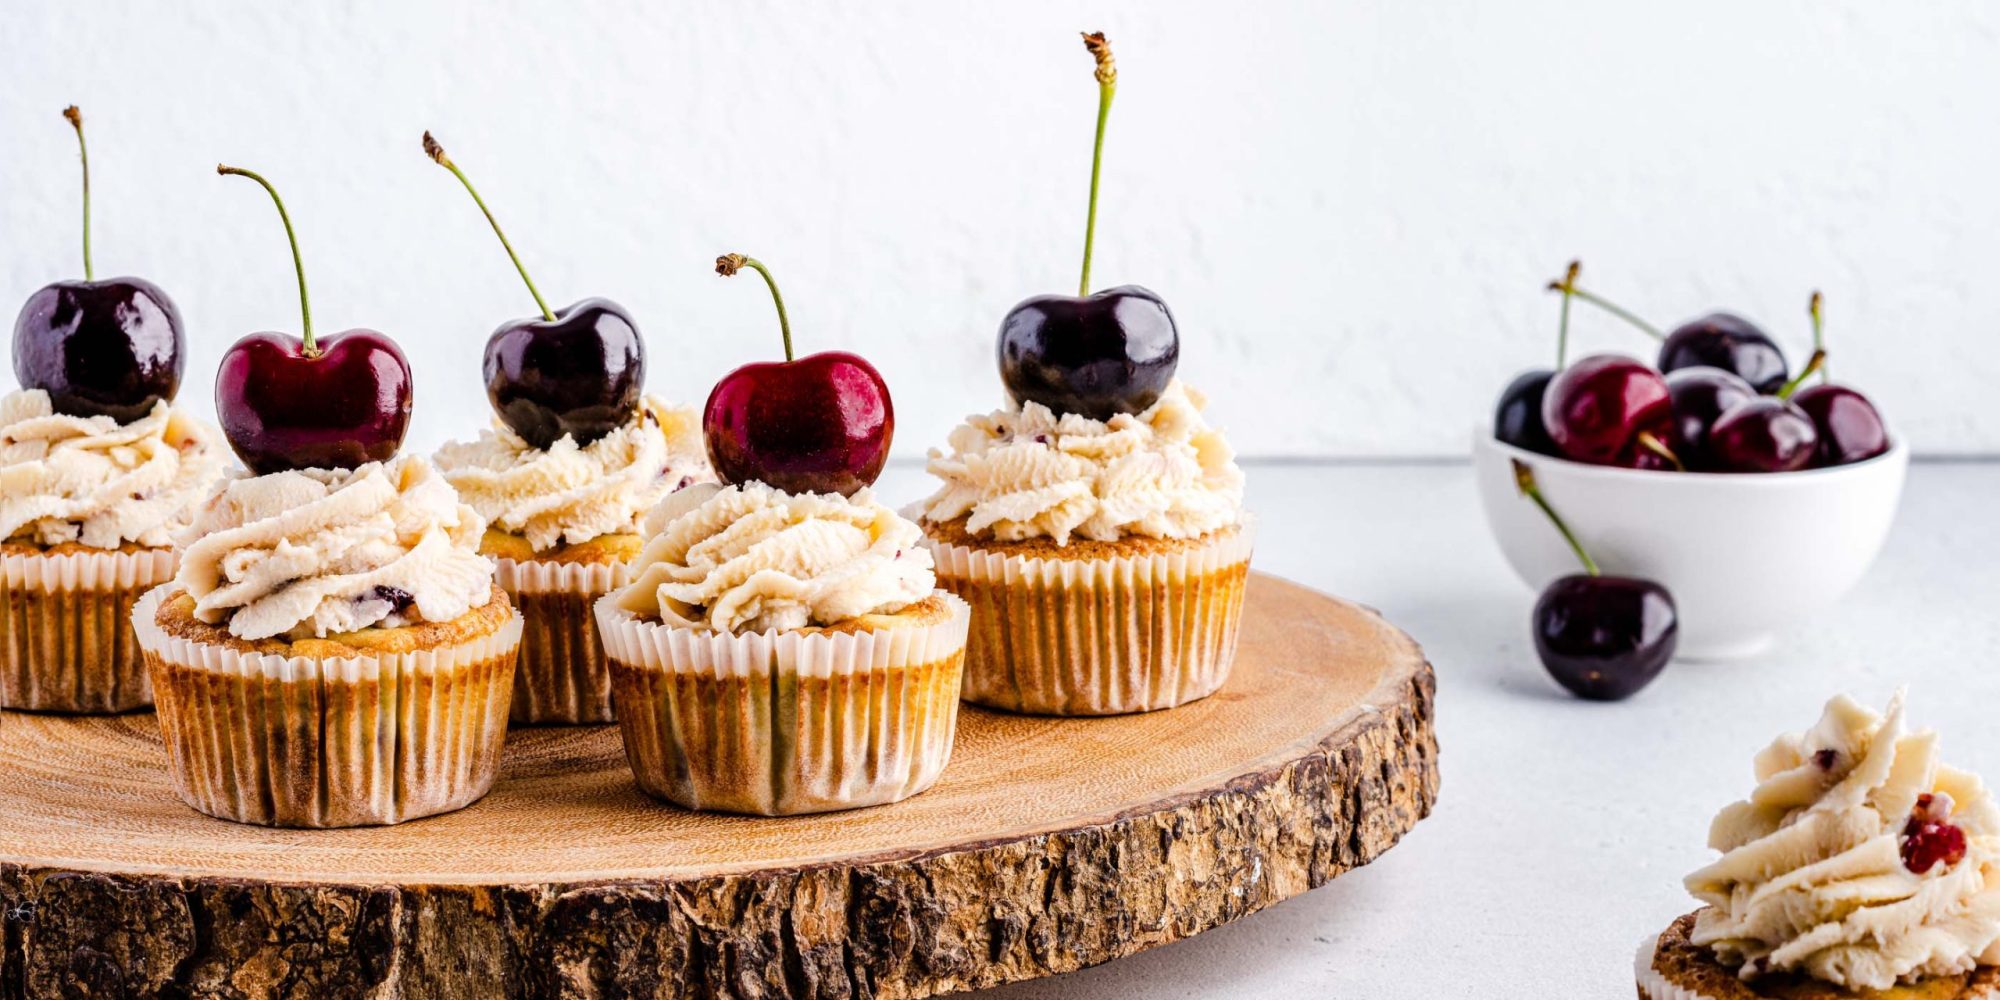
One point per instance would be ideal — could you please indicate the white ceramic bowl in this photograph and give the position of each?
(1745, 556)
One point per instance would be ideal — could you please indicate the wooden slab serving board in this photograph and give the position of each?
(1048, 846)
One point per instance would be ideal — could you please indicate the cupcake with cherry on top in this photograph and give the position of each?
(1096, 523)
(576, 456)
(333, 650)
(782, 648)
(98, 472)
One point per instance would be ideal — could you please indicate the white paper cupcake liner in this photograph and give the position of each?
(1054, 636)
(561, 678)
(783, 723)
(1652, 985)
(66, 642)
(304, 742)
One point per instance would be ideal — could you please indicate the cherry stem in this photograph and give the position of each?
(1819, 339)
(1817, 363)
(1651, 442)
(728, 264)
(1107, 88)
(83, 152)
(436, 152)
(309, 347)
(1524, 480)
(1568, 288)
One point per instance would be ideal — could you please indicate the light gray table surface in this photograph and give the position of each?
(1563, 828)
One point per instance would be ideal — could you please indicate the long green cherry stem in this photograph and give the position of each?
(1817, 363)
(1567, 286)
(730, 263)
(1107, 88)
(83, 152)
(1819, 338)
(1524, 480)
(309, 347)
(436, 152)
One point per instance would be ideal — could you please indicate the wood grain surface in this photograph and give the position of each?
(1049, 845)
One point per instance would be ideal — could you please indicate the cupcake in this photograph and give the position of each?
(783, 647)
(575, 458)
(1860, 866)
(1096, 523)
(333, 650)
(97, 472)
(562, 529)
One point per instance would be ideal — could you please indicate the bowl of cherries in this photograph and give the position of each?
(1755, 494)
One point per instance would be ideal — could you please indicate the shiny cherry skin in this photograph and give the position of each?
(112, 348)
(1518, 418)
(1850, 428)
(1597, 407)
(1700, 396)
(580, 374)
(1095, 355)
(820, 424)
(1605, 637)
(1729, 342)
(342, 408)
(1766, 434)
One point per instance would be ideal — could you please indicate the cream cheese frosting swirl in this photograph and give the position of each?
(318, 551)
(98, 482)
(1813, 877)
(1025, 472)
(570, 494)
(750, 558)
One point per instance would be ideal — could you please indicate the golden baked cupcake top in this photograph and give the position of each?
(96, 482)
(751, 558)
(318, 552)
(1859, 860)
(1024, 472)
(568, 495)
(177, 618)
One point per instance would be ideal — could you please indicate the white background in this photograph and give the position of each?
(1351, 207)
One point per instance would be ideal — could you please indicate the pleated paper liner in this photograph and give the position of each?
(784, 723)
(1103, 636)
(66, 641)
(562, 678)
(303, 742)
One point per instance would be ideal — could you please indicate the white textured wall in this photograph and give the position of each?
(1350, 206)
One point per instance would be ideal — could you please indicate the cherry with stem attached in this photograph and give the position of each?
(1768, 433)
(1101, 354)
(576, 371)
(1602, 637)
(1850, 428)
(308, 402)
(99, 348)
(817, 424)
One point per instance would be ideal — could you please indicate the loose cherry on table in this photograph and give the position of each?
(1096, 355)
(578, 370)
(297, 403)
(1602, 637)
(1729, 342)
(817, 424)
(1700, 396)
(1850, 429)
(111, 348)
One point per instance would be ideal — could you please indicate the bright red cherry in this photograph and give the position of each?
(1606, 406)
(302, 403)
(817, 424)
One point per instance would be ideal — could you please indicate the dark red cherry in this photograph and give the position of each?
(1766, 434)
(817, 424)
(1605, 637)
(1518, 418)
(113, 347)
(1597, 408)
(341, 405)
(1729, 342)
(1849, 427)
(580, 374)
(1700, 396)
(311, 403)
(1096, 355)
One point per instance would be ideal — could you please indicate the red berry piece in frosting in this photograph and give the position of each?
(337, 402)
(1929, 837)
(817, 424)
